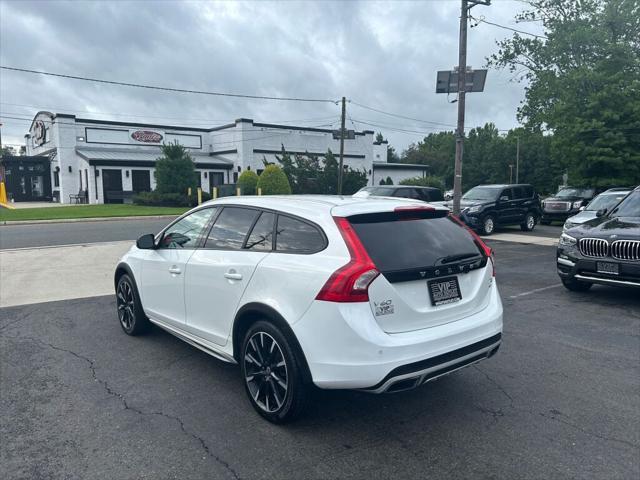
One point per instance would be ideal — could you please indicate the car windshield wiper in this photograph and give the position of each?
(460, 256)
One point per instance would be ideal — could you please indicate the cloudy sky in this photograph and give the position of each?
(379, 54)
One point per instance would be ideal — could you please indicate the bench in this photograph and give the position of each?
(124, 196)
(81, 197)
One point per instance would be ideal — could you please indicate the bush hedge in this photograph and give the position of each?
(273, 181)
(427, 181)
(248, 182)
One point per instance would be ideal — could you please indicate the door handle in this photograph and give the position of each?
(175, 270)
(233, 275)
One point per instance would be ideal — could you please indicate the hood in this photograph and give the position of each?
(617, 228)
(583, 216)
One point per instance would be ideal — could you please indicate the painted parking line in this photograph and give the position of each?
(535, 290)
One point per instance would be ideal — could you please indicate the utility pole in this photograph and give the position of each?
(510, 173)
(465, 6)
(517, 159)
(340, 168)
(462, 80)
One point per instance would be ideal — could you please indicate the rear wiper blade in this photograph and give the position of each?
(460, 256)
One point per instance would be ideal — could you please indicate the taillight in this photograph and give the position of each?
(486, 249)
(350, 283)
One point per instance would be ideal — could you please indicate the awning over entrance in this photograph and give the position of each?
(139, 158)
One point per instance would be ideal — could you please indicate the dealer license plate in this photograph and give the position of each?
(608, 267)
(444, 290)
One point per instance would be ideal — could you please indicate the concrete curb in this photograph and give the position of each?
(88, 219)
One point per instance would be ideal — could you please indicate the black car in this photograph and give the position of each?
(485, 207)
(426, 194)
(566, 203)
(605, 250)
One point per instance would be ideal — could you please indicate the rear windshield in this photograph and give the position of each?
(381, 191)
(395, 244)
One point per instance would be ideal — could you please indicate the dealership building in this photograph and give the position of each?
(101, 161)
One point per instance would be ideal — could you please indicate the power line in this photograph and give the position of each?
(400, 116)
(204, 121)
(167, 89)
(482, 20)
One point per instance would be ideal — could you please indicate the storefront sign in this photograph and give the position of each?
(146, 136)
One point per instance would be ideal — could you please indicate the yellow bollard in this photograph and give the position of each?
(215, 192)
(238, 191)
(199, 195)
(259, 191)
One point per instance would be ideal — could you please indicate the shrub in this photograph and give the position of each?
(248, 182)
(158, 199)
(423, 182)
(389, 181)
(273, 181)
(175, 170)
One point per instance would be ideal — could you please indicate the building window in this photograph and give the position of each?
(56, 178)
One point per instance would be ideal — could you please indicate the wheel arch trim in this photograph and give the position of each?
(253, 311)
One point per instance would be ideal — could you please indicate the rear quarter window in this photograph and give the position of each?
(297, 236)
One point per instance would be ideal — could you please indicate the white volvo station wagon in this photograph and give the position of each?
(380, 295)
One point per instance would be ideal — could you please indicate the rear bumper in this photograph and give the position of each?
(346, 349)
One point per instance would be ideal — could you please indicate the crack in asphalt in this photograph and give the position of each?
(555, 414)
(123, 400)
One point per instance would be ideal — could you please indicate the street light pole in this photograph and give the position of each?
(517, 159)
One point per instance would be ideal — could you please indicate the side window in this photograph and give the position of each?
(405, 193)
(231, 228)
(261, 237)
(518, 193)
(507, 193)
(186, 232)
(528, 192)
(295, 236)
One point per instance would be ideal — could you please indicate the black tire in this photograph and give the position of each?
(488, 225)
(130, 313)
(575, 285)
(273, 374)
(529, 222)
(545, 222)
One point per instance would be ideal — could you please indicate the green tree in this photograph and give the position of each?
(583, 85)
(273, 181)
(175, 171)
(392, 155)
(248, 182)
(389, 181)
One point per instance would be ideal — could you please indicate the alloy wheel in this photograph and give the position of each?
(531, 222)
(126, 305)
(488, 225)
(266, 372)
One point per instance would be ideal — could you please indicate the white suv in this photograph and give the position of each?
(380, 295)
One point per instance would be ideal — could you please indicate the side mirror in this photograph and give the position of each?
(504, 198)
(581, 208)
(601, 212)
(146, 242)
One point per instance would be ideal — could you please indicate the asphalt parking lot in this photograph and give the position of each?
(561, 399)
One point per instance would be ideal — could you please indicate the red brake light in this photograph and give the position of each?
(350, 283)
(486, 249)
(410, 208)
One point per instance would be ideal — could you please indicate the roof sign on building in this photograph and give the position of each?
(146, 136)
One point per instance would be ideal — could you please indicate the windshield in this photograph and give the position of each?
(575, 192)
(606, 201)
(630, 206)
(483, 193)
